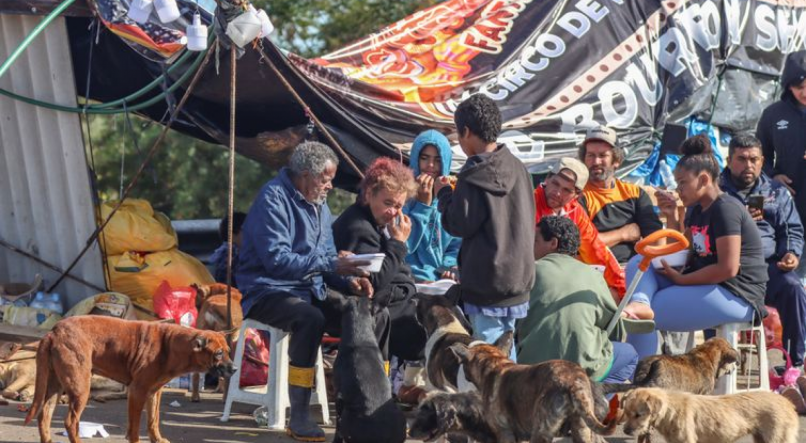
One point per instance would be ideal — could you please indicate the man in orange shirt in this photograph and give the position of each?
(558, 196)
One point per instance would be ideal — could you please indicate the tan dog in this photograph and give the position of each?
(532, 402)
(142, 355)
(686, 418)
(211, 300)
(696, 371)
(17, 377)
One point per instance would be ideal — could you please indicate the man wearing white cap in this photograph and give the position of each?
(558, 196)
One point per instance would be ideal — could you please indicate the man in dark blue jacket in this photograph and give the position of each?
(781, 236)
(782, 132)
(291, 275)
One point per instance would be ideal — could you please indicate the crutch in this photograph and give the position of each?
(646, 248)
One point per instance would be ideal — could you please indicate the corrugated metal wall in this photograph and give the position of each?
(45, 199)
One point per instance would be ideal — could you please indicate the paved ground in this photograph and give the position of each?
(191, 422)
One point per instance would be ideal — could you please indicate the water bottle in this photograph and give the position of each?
(667, 175)
(39, 302)
(55, 303)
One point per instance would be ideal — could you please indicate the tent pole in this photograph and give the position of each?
(231, 196)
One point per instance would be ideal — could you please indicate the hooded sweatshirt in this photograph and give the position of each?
(492, 211)
(782, 131)
(431, 248)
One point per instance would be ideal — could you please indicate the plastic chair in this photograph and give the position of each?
(275, 394)
(728, 383)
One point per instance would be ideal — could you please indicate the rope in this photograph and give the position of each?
(50, 265)
(310, 114)
(140, 170)
(231, 191)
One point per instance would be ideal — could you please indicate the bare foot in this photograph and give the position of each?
(638, 310)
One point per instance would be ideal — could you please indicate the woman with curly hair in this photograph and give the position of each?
(375, 223)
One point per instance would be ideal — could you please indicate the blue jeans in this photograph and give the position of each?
(489, 329)
(625, 360)
(682, 308)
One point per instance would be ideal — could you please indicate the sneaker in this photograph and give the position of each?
(792, 394)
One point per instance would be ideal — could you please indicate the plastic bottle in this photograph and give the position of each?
(167, 10)
(667, 175)
(55, 303)
(40, 301)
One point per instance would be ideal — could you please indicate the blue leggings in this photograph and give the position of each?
(682, 308)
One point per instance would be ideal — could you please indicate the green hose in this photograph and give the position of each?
(103, 108)
(30, 37)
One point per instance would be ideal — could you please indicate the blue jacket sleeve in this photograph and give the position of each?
(331, 278)
(419, 214)
(273, 243)
(451, 252)
(788, 229)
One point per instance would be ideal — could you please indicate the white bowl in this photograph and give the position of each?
(675, 260)
(376, 261)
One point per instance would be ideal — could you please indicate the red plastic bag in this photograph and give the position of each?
(178, 303)
(254, 367)
(773, 331)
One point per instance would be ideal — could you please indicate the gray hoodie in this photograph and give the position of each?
(492, 210)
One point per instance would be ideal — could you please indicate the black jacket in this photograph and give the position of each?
(492, 210)
(356, 231)
(782, 132)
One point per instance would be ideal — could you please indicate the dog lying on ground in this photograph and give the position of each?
(142, 355)
(686, 418)
(211, 301)
(695, 372)
(446, 413)
(531, 402)
(17, 376)
(364, 405)
(444, 324)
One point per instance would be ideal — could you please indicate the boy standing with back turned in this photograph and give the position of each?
(492, 211)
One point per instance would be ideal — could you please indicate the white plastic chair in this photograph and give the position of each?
(275, 394)
(728, 383)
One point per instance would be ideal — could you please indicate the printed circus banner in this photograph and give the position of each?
(557, 68)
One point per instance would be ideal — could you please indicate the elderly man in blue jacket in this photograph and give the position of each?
(773, 209)
(291, 275)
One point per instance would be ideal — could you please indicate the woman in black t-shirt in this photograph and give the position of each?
(726, 276)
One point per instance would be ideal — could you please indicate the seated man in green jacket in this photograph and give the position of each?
(569, 309)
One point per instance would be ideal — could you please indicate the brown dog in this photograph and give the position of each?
(686, 418)
(531, 402)
(211, 301)
(142, 355)
(695, 372)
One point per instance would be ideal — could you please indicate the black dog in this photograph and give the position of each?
(443, 413)
(366, 411)
(444, 324)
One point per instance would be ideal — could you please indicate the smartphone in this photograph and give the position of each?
(756, 202)
(398, 219)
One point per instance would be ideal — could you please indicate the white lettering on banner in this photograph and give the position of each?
(765, 23)
(593, 9)
(638, 78)
(490, 32)
(733, 16)
(675, 56)
(704, 24)
(698, 22)
(612, 93)
(576, 23)
(577, 116)
(522, 145)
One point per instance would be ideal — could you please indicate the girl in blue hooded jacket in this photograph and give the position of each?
(432, 251)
